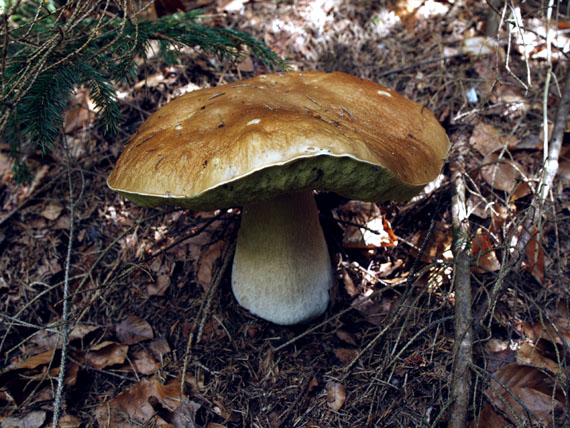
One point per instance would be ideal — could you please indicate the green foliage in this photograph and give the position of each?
(47, 51)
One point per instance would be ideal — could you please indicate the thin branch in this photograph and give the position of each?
(463, 342)
(57, 405)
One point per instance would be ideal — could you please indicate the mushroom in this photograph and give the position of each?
(265, 144)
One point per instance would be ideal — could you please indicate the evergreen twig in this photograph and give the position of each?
(46, 52)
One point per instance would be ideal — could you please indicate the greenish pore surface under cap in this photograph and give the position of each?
(346, 176)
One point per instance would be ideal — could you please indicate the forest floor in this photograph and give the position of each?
(149, 308)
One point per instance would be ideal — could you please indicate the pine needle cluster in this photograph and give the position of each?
(48, 50)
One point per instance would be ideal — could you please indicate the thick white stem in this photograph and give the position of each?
(282, 270)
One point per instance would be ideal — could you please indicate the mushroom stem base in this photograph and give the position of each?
(282, 270)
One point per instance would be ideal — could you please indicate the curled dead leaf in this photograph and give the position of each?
(364, 226)
(559, 333)
(530, 354)
(135, 404)
(336, 395)
(483, 252)
(207, 261)
(36, 360)
(133, 330)
(534, 257)
(106, 354)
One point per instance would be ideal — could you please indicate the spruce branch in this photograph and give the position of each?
(47, 52)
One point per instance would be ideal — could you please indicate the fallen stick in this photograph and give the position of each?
(463, 342)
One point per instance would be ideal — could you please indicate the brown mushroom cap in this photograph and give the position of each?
(252, 139)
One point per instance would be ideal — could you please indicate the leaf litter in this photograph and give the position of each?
(385, 344)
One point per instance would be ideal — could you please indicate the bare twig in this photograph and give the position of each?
(463, 344)
(65, 313)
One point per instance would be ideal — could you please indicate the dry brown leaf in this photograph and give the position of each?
(539, 331)
(34, 361)
(30, 420)
(133, 330)
(388, 268)
(532, 387)
(502, 174)
(347, 337)
(487, 139)
(185, 415)
(151, 81)
(489, 418)
(162, 270)
(246, 66)
(144, 363)
(439, 246)
(134, 404)
(349, 286)
(207, 261)
(345, 355)
(69, 421)
(49, 339)
(374, 311)
(336, 395)
(530, 354)
(80, 111)
(62, 223)
(483, 253)
(28, 190)
(52, 210)
(158, 348)
(500, 354)
(106, 354)
(159, 287)
(534, 258)
(373, 229)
